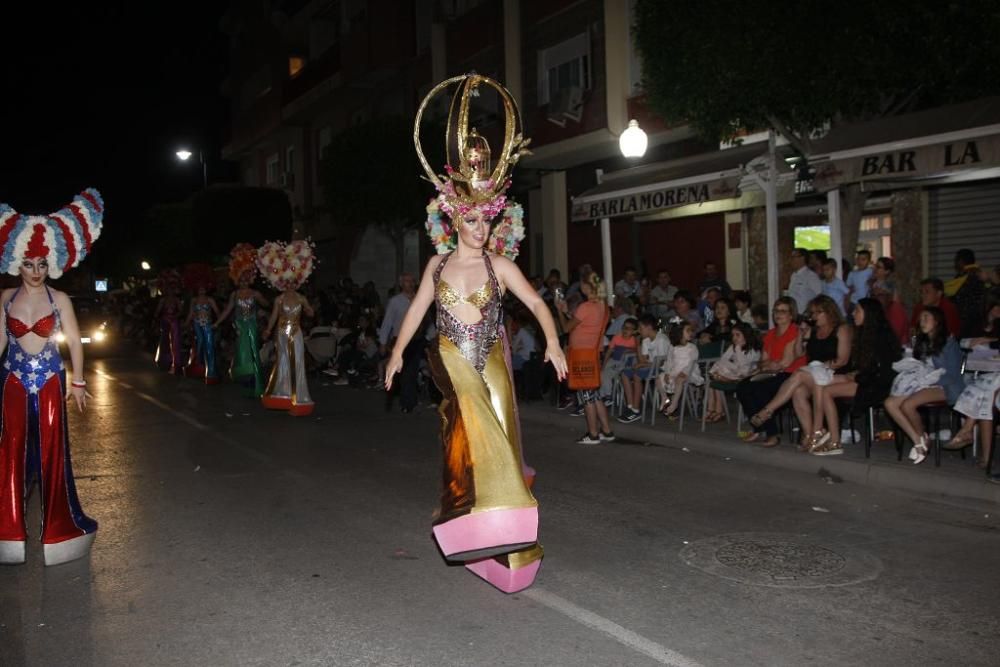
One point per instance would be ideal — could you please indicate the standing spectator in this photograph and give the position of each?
(967, 292)
(815, 259)
(583, 275)
(834, 287)
(661, 297)
(713, 279)
(858, 279)
(628, 287)
(586, 328)
(395, 311)
(932, 295)
(883, 287)
(804, 285)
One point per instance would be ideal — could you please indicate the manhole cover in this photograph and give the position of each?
(781, 560)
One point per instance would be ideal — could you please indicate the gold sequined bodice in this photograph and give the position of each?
(473, 340)
(449, 297)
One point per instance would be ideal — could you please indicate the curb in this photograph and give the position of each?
(924, 479)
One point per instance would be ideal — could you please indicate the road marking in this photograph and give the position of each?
(648, 647)
(187, 419)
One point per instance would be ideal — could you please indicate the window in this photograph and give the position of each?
(272, 171)
(563, 66)
(875, 233)
(295, 65)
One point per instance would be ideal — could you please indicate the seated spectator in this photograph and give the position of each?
(932, 295)
(737, 362)
(826, 343)
(778, 360)
(680, 367)
(742, 302)
(834, 287)
(939, 378)
(654, 345)
(760, 318)
(874, 349)
(684, 306)
(622, 311)
(706, 307)
(661, 297)
(620, 352)
(628, 286)
(721, 326)
(978, 399)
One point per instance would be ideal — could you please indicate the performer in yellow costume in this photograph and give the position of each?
(488, 517)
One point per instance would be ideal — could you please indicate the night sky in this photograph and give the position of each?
(102, 94)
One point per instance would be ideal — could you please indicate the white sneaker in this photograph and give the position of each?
(588, 439)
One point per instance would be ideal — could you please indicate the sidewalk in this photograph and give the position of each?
(956, 477)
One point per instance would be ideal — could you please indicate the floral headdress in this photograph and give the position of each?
(472, 187)
(243, 262)
(286, 265)
(63, 238)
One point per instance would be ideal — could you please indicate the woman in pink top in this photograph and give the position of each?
(585, 329)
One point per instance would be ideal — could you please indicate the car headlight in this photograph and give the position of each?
(99, 336)
(60, 337)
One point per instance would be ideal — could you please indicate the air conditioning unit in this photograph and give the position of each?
(566, 104)
(287, 180)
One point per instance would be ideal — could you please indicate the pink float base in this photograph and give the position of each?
(483, 534)
(499, 575)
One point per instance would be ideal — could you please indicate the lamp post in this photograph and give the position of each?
(184, 155)
(633, 140)
(144, 265)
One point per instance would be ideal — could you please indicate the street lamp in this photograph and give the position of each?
(184, 155)
(144, 265)
(633, 140)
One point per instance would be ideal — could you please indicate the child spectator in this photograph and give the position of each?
(737, 362)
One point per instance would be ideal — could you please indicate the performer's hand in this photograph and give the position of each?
(554, 355)
(79, 394)
(394, 366)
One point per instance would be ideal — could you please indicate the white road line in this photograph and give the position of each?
(647, 647)
(249, 451)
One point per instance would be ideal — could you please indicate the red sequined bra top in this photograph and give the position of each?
(43, 327)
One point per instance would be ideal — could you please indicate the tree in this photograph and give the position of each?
(795, 66)
(370, 176)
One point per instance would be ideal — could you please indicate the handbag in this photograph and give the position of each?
(584, 368)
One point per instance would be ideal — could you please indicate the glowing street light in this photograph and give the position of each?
(144, 265)
(633, 140)
(184, 155)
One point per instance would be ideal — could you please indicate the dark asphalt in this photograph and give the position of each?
(234, 536)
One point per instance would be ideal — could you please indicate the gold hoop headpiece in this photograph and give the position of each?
(471, 185)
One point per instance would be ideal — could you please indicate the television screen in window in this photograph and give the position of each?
(813, 238)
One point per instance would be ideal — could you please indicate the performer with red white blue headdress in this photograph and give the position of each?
(34, 440)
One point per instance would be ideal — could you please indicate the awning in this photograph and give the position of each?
(924, 145)
(656, 187)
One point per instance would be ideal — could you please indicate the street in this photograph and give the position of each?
(234, 536)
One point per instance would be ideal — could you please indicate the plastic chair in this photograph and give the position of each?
(321, 344)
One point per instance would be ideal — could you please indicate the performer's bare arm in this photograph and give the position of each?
(71, 329)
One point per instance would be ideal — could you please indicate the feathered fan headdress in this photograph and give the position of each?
(64, 238)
